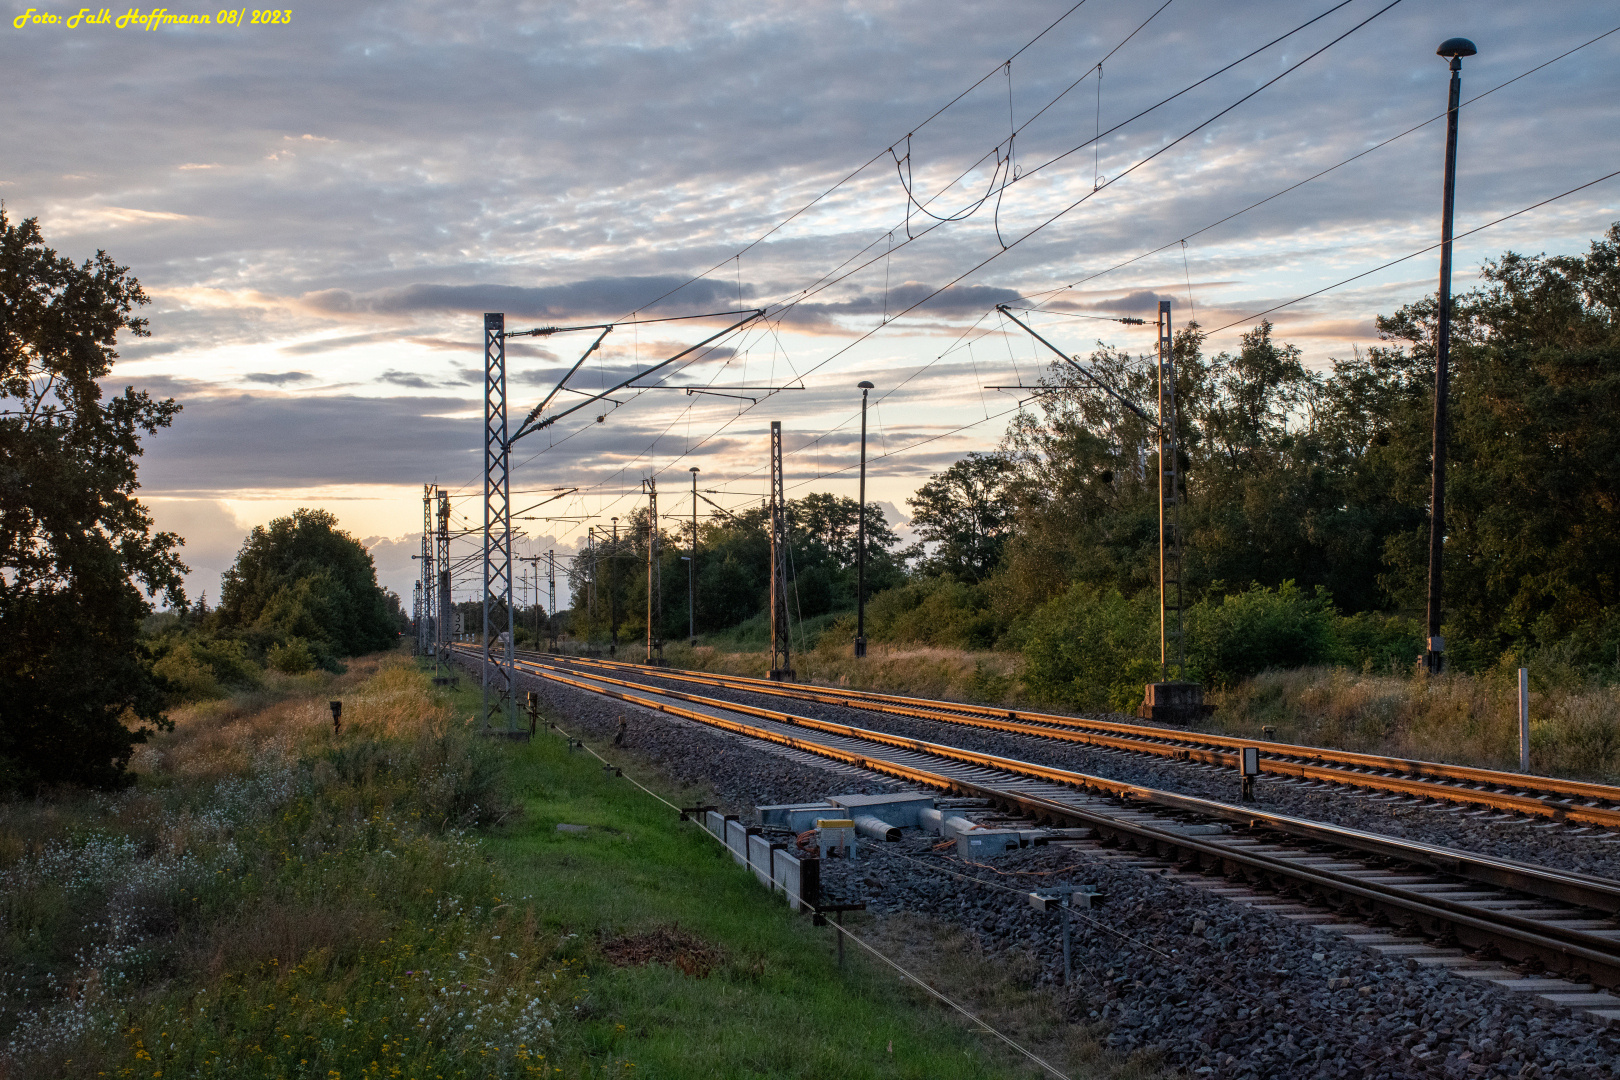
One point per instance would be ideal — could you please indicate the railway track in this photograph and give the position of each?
(1540, 917)
(1569, 801)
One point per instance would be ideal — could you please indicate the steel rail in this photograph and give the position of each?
(1585, 889)
(1513, 934)
(1407, 776)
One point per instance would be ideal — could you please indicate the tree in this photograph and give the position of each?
(303, 578)
(78, 558)
(1533, 474)
(964, 513)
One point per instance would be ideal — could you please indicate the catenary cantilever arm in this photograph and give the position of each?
(533, 424)
(1098, 383)
(597, 344)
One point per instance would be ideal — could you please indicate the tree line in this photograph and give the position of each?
(1306, 513)
(608, 586)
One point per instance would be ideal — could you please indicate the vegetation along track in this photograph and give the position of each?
(1559, 919)
(1570, 801)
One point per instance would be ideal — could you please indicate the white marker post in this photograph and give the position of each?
(1524, 720)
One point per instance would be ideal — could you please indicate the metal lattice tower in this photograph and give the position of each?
(1171, 491)
(497, 664)
(655, 592)
(425, 625)
(416, 611)
(781, 654)
(441, 560)
(551, 600)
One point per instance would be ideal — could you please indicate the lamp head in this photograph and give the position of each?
(864, 385)
(694, 469)
(1454, 48)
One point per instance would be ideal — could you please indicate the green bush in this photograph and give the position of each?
(1092, 648)
(200, 667)
(1371, 641)
(292, 656)
(934, 611)
(1245, 633)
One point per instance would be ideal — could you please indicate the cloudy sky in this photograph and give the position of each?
(323, 209)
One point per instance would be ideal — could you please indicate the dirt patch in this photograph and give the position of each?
(666, 945)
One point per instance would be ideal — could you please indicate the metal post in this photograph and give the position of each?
(613, 591)
(691, 569)
(590, 581)
(860, 538)
(416, 613)
(1170, 491)
(1433, 657)
(655, 597)
(1524, 720)
(551, 600)
(441, 560)
(1068, 968)
(424, 627)
(497, 680)
(781, 659)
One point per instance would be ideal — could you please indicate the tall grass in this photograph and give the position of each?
(273, 896)
(1463, 719)
(1460, 718)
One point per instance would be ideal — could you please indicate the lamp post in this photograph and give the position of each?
(691, 569)
(1453, 49)
(860, 537)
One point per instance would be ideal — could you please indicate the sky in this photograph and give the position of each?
(323, 207)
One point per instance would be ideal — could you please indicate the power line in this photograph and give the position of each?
(1415, 254)
(859, 169)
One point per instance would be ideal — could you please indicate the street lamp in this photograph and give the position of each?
(691, 569)
(1453, 49)
(860, 537)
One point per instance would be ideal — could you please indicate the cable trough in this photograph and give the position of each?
(1569, 801)
(1542, 917)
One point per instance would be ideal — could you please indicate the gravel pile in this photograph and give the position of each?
(1448, 824)
(1223, 990)
(1217, 988)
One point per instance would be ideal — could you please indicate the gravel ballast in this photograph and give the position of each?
(1589, 851)
(1217, 988)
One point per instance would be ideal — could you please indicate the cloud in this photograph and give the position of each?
(306, 348)
(223, 442)
(954, 300)
(414, 382)
(278, 378)
(212, 533)
(609, 297)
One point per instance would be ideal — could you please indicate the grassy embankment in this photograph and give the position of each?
(272, 900)
(1465, 719)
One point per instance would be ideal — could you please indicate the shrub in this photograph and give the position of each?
(1245, 633)
(292, 656)
(1370, 641)
(189, 678)
(934, 611)
(1091, 648)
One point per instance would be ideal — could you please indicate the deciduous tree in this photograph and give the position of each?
(78, 557)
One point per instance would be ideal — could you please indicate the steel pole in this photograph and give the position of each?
(860, 540)
(691, 569)
(1433, 656)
